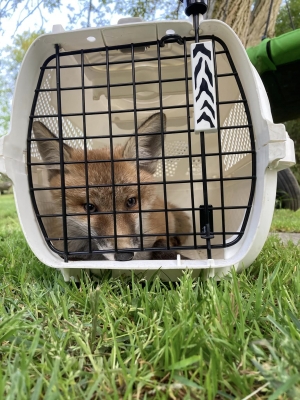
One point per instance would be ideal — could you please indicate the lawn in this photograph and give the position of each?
(131, 339)
(286, 221)
(8, 214)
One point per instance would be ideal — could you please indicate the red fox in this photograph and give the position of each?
(101, 197)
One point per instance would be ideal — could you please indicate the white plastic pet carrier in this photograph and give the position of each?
(143, 147)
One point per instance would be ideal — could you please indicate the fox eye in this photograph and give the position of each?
(90, 207)
(131, 202)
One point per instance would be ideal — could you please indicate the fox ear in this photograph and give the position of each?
(49, 149)
(148, 145)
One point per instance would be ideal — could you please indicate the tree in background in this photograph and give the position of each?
(15, 54)
(150, 10)
(4, 106)
(90, 13)
(288, 17)
(11, 59)
(87, 13)
(247, 18)
(26, 8)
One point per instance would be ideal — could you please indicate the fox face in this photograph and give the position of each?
(112, 187)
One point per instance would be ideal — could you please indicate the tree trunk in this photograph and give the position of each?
(258, 21)
(236, 13)
(248, 25)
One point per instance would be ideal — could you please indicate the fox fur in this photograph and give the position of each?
(101, 198)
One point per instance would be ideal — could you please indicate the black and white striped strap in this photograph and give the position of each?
(203, 75)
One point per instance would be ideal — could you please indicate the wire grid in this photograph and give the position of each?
(235, 141)
(44, 107)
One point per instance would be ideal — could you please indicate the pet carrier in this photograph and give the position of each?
(145, 147)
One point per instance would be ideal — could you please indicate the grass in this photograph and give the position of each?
(131, 339)
(8, 214)
(286, 221)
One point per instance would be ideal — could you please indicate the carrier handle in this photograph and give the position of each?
(170, 38)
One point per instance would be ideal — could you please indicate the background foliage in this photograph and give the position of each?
(288, 17)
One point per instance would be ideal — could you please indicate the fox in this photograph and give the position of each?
(104, 195)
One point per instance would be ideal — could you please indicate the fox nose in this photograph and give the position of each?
(124, 256)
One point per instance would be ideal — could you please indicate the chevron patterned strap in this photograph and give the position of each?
(203, 75)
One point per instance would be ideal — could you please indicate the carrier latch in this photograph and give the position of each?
(206, 222)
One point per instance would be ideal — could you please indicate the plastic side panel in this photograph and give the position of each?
(29, 224)
(69, 273)
(131, 33)
(290, 159)
(254, 240)
(15, 143)
(264, 100)
(14, 146)
(182, 28)
(143, 32)
(164, 275)
(244, 252)
(247, 76)
(266, 214)
(169, 275)
(117, 35)
(261, 215)
(78, 39)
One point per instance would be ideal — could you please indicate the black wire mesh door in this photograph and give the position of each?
(115, 169)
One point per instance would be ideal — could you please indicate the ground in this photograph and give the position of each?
(131, 339)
